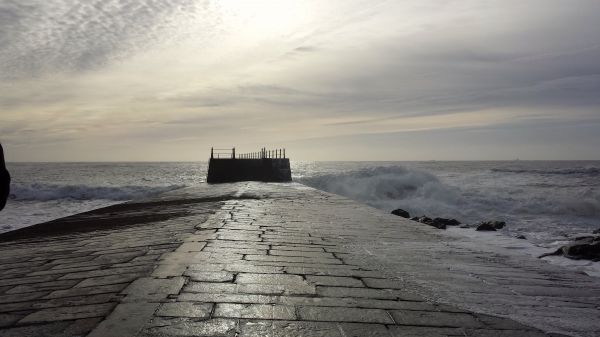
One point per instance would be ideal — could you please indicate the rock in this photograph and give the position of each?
(447, 222)
(522, 237)
(401, 212)
(429, 221)
(491, 225)
(597, 231)
(583, 249)
(440, 223)
(485, 226)
(4, 180)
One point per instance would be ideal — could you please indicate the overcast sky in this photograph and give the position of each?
(152, 80)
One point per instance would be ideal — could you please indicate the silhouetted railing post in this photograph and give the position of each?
(211, 153)
(233, 153)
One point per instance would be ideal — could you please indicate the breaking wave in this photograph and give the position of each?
(47, 192)
(421, 192)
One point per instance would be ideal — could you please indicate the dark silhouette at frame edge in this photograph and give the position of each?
(265, 165)
(4, 180)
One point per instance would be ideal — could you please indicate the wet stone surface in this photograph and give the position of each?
(280, 260)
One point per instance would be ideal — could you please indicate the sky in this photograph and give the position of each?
(154, 80)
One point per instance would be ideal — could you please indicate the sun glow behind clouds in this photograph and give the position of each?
(259, 19)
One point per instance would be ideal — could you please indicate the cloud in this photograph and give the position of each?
(48, 36)
(125, 70)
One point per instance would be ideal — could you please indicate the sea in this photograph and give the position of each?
(547, 202)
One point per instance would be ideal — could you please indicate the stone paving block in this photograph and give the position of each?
(277, 289)
(26, 280)
(383, 283)
(363, 330)
(63, 270)
(259, 311)
(209, 276)
(292, 259)
(251, 288)
(165, 270)
(110, 288)
(211, 287)
(191, 247)
(71, 259)
(356, 292)
(127, 319)
(420, 331)
(152, 288)
(11, 298)
(68, 313)
(46, 329)
(289, 329)
(211, 328)
(107, 272)
(185, 309)
(206, 267)
(436, 319)
(77, 301)
(234, 244)
(499, 323)
(334, 281)
(17, 306)
(237, 250)
(254, 269)
(116, 258)
(316, 255)
(344, 271)
(356, 303)
(269, 279)
(104, 280)
(344, 314)
(227, 298)
(298, 248)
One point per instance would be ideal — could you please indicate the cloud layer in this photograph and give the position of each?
(175, 76)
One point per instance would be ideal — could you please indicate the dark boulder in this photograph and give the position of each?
(401, 212)
(583, 249)
(447, 222)
(491, 225)
(522, 237)
(597, 231)
(429, 221)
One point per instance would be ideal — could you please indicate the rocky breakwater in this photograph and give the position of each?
(443, 223)
(582, 248)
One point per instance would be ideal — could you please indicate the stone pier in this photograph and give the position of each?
(268, 259)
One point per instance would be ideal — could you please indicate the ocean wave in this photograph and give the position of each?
(47, 192)
(593, 171)
(421, 192)
(390, 187)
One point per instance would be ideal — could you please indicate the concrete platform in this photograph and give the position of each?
(258, 259)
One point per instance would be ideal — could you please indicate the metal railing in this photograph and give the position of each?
(262, 154)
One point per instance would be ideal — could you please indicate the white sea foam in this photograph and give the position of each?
(47, 192)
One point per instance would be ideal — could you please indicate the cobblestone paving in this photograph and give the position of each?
(284, 260)
(64, 284)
